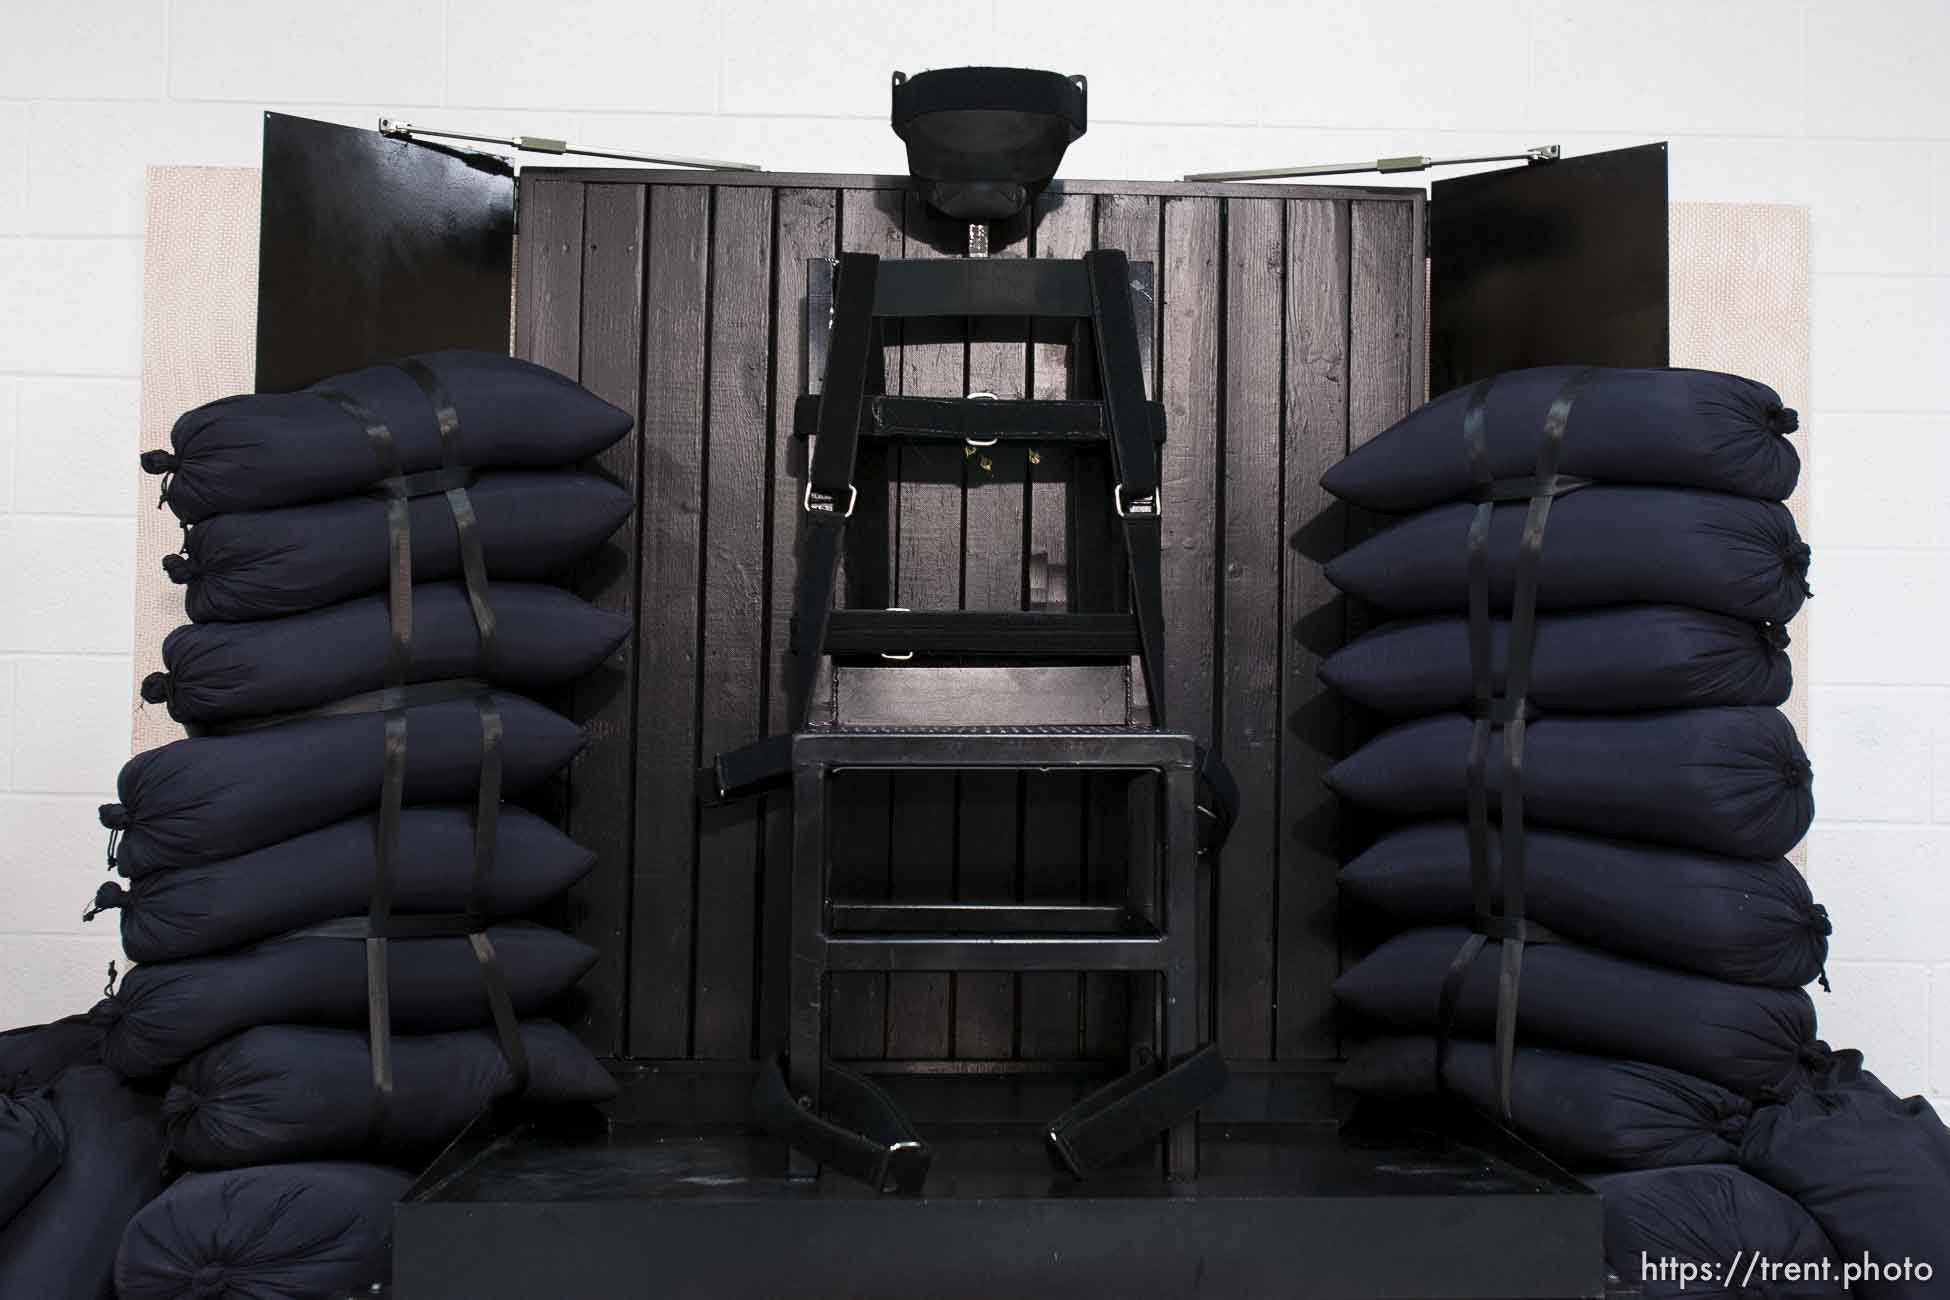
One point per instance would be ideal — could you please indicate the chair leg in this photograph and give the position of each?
(806, 1032)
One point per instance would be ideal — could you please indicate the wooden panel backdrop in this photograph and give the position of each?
(1289, 327)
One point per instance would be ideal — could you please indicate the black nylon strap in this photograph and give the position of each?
(426, 483)
(399, 532)
(473, 564)
(1132, 1110)
(843, 391)
(487, 816)
(384, 700)
(819, 567)
(736, 773)
(1121, 372)
(1528, 489)
(870, 1139)
(378, 1000)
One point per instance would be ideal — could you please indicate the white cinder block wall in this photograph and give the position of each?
(1837, 104)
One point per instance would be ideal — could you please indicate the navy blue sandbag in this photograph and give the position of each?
(173, 1010)
(32, 1140)
(1710, 1220)
(1581, 1111)
(267, 563)
(1730, 781)
(1603, 546)
(291, 1092)
(219, 672)
(1626, 659)
(61, 1245)
(1871, 1167)
(1740, 1036)
(213, 797)
(196, 911)
(1685, 428)
(318, 1231)
(1749, 921)
(279, 449)
(36, 1055)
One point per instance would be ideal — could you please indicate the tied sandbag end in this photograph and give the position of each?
(109, 895)
(1783, 420)
(179, 567)
(158, 462)
(155, 688)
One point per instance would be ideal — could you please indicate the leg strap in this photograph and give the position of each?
(870, 1139)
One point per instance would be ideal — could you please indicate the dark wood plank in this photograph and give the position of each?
(602, 781)
(732, 662)
(548, 307)
(862, 810)
(989, 804)
(1130, 222)
(1311, 626)
(928, 563)
(1384, 316)
(807, 226)
(674, 384)
(1249, 732)
(1188, 370)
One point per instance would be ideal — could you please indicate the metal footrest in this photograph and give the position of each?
(982, 633)
(1060, 919)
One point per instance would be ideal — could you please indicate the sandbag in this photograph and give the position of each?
(35, 1055)
(277, 449)
(1626, 659)
(1740, 1036)
(1730, 781)
(1871, 1167)
(170, 1011)
(318, 1231)
(1603, 546)
(219, 672)
(1683, 428)
(32, 1141)
(1710, 1220)
(61, 1244)
(290, 1092)
(207, 798)
(267, 563)
(1749, 921)
(1585, 1112)
(196, 911)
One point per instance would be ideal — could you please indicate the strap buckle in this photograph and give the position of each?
(904, 1168)
(1146, 507)
(825, 504)
(979, 443)
(897, 656)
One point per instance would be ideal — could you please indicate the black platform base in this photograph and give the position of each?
(670, 1195)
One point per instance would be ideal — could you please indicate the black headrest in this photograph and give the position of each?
(983, 142)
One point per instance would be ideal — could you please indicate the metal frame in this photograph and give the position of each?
(1165, 897)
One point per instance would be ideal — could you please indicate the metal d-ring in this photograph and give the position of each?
(983, 396)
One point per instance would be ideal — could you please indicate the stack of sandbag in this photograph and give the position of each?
(80, 1152)
(1584, 786)
(324, 886)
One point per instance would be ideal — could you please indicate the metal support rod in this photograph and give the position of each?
(546, 144)
(1410, 163)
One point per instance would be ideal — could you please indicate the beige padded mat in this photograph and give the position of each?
(199, 342)
(1740, 303)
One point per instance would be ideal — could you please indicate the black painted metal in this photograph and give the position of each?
(679, 1197)
(371, 249)
(1552, 263)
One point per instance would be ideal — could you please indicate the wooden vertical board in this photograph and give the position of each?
(674, 385)
(927, 575)
(806, 224)
(548, 310)
(1247, 883)
(602, 781)
(1382, 312)
(861, 814)
(989, 805)
(1311, 627)
(1130, 222)
(732, 668)
(1188, 371)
